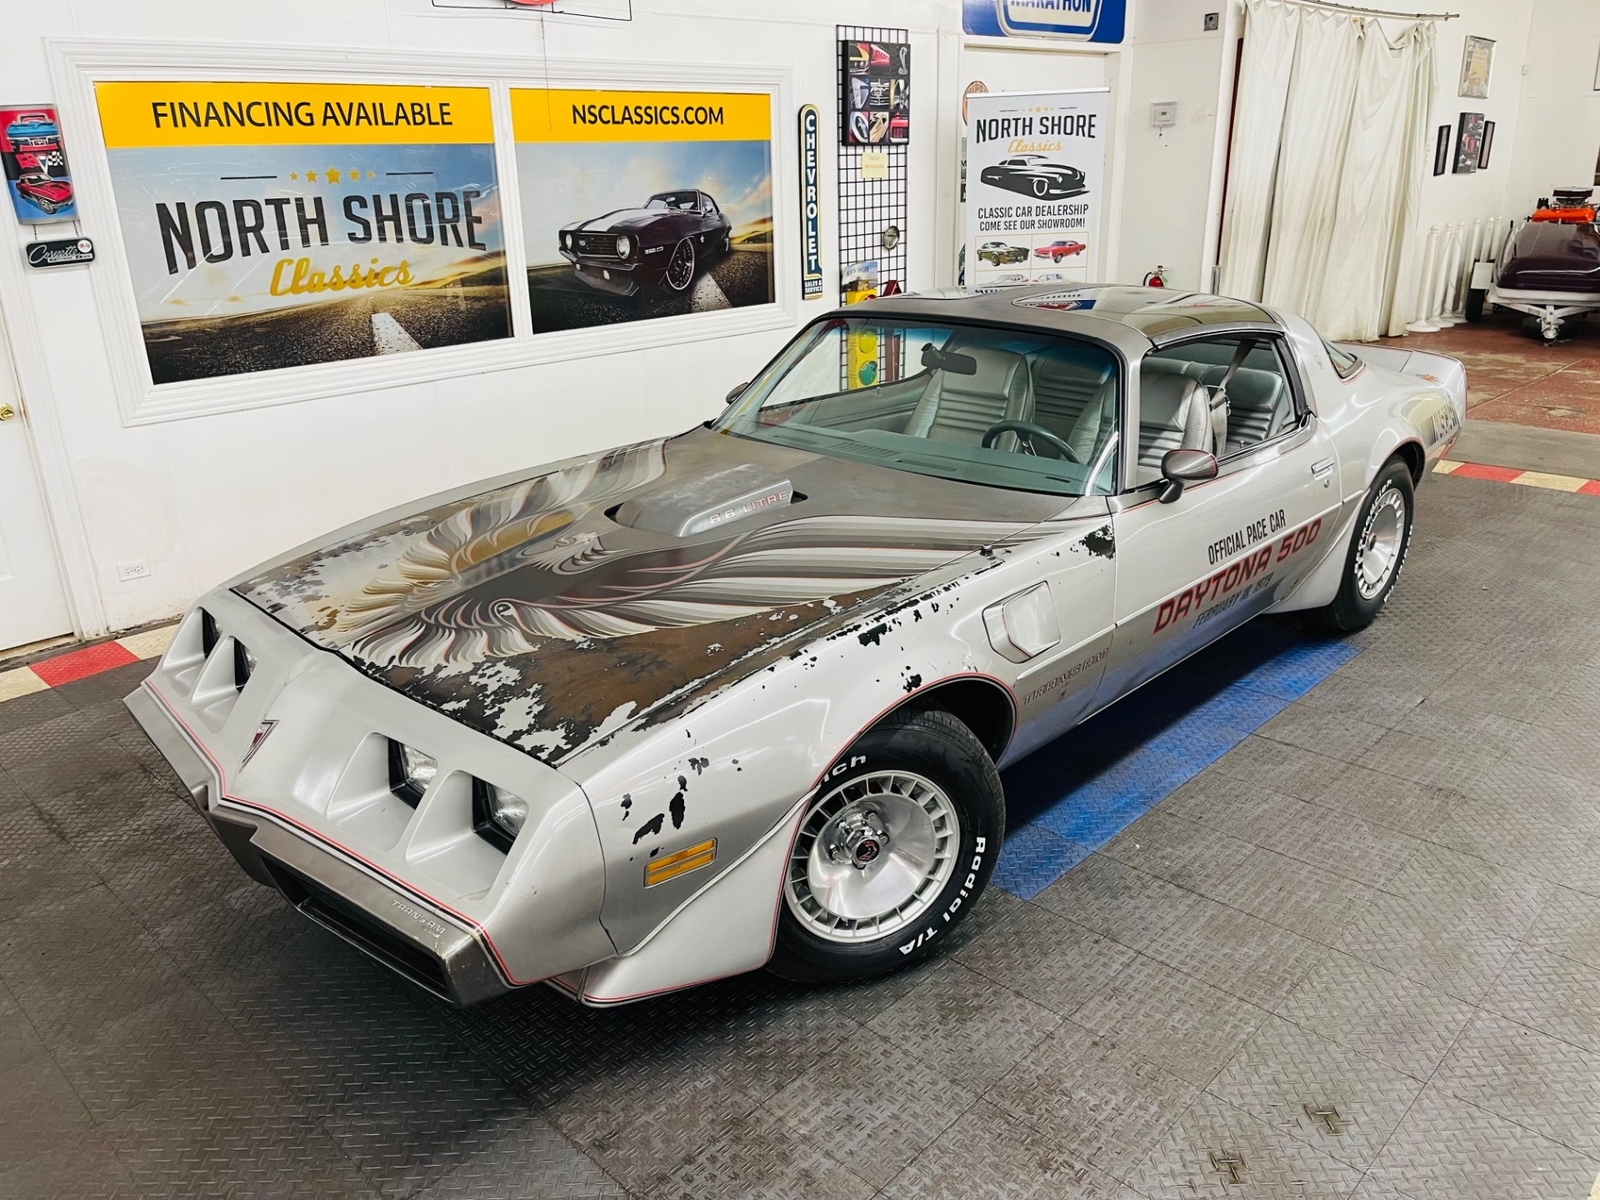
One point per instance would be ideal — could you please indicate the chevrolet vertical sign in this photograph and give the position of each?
(810, 199)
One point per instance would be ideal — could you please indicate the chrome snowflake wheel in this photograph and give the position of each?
(1381, 540)
(872, 856)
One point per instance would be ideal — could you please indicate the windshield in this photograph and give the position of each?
(998, 407)
(671, 200)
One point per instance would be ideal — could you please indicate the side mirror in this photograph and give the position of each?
(736, 391)
(1182, 467)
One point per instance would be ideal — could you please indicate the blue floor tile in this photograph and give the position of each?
(1071, 797)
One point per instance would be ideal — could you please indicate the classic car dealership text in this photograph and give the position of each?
(913, 598)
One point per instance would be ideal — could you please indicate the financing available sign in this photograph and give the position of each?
(272, 225)
(1035, 178)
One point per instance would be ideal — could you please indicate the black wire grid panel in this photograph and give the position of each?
(869, 206)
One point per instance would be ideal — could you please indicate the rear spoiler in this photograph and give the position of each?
(1438, 369)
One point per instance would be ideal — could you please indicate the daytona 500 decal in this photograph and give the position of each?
(1223, 583)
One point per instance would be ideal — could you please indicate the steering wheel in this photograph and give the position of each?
(1027, 431)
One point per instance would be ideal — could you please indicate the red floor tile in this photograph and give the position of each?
(80, 664)
(1479, 471)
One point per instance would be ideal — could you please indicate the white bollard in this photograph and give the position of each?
(1463, 279)
(1425, 273)
(1451, 259)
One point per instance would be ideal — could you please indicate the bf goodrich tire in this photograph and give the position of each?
(892, 853)
(1377, 550)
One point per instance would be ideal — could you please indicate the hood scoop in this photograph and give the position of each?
(689, 506)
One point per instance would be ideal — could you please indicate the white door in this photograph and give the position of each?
(32, 604)
(1189, 571)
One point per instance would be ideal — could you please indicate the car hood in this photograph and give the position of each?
(625, 218)
(557, 608)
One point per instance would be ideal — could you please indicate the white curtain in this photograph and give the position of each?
(1320, 218)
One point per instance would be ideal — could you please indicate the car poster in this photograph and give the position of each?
(1035, 171)
(877, 95)
(35, 165)
(643, 204)
(272, 225)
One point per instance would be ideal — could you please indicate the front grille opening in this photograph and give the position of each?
(209, 634)
(361, 929)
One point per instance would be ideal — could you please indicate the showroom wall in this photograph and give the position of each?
(188, 500)
(1558, 125)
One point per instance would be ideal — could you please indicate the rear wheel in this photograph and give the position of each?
(892, 853)
(1474, 307)
(1377, 550)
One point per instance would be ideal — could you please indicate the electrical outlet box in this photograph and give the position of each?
(1164, 113)
(127, 572)
(1213, 20)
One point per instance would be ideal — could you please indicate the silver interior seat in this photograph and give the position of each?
(961, 408)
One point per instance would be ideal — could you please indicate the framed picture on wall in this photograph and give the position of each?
(1441, 151)
(1477, 55)
(1469, 140)
(1488, 145)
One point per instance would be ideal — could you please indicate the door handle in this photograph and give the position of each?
(1323, 470)
(7, 412)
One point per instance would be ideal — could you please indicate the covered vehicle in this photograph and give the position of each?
(661, 244)
(1550, 267)
(1035, 175)
(738, 698)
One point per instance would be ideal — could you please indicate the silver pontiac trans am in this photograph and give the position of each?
(737, 698)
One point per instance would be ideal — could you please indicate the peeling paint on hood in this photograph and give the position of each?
(527, 613)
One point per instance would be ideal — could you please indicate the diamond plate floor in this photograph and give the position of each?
(1357, 955)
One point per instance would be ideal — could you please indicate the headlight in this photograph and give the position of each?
(566, 240)
(410, 772)
(497, 815)
(624, 246)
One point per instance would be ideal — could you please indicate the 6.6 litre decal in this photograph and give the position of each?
(1226, 582)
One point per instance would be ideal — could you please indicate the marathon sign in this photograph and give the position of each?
(272, 225)
(810, 203)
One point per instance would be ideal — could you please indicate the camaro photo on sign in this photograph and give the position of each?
(643, 204)
(273, 225)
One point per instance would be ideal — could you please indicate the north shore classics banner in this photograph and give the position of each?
(272, 225)
(643, 204)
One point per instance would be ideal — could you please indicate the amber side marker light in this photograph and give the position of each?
(680, 863)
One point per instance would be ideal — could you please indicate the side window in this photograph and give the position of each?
(1184, 405)
(1345, 363)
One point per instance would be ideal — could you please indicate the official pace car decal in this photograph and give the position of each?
(1227, 585)
(528, 613)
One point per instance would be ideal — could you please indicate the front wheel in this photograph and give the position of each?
(892, 853)
(1377, 550)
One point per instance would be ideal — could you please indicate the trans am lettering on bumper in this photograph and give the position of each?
(1223, 582)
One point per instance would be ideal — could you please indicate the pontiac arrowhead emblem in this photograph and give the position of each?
(263, 731)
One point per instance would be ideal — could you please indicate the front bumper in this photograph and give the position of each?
(424, 946)
(606, 275)
(290, 767)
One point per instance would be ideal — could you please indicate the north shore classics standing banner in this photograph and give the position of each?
(272, 225)
(643, 204)
(1035, 176)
